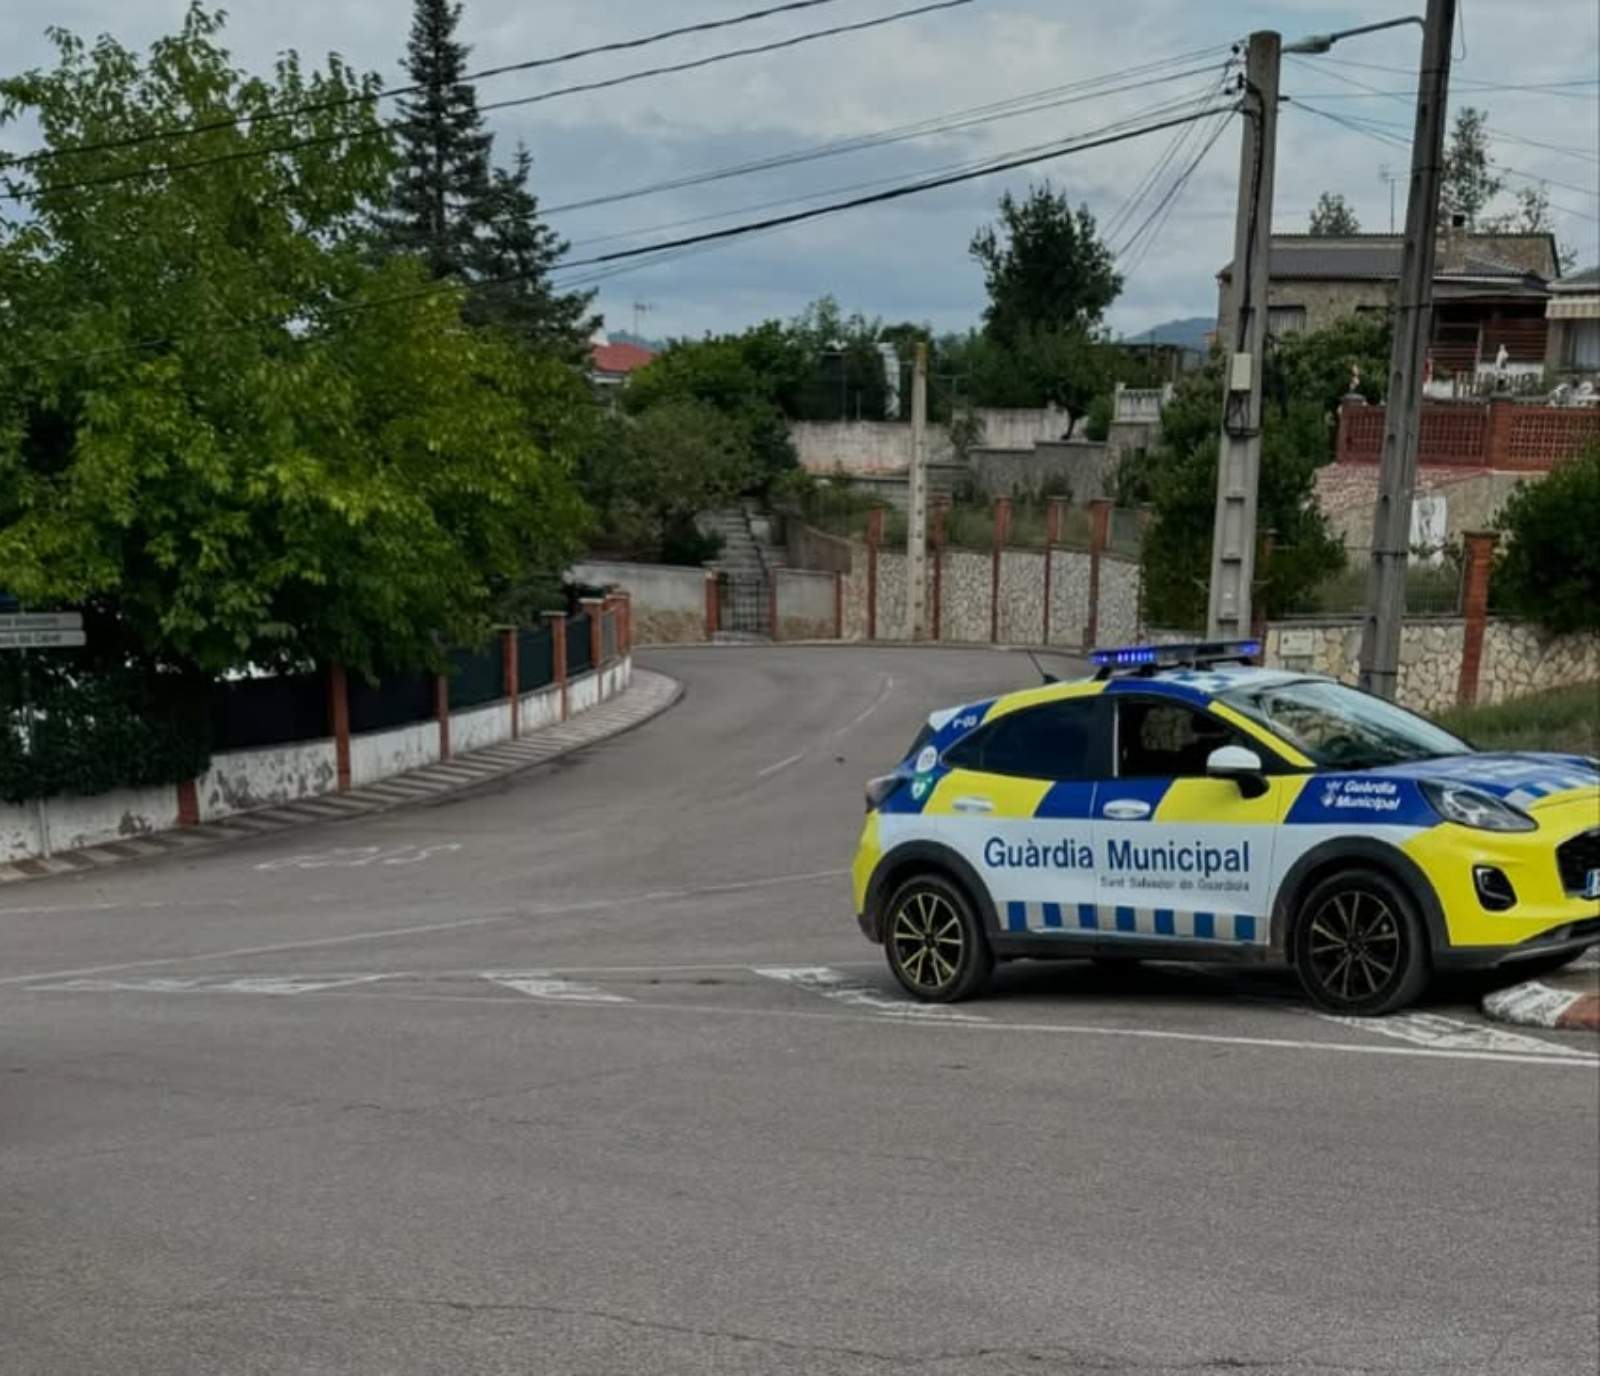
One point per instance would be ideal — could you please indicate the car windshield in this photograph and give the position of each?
(1337, 727)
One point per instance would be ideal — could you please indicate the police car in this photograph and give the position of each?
(1184, 804)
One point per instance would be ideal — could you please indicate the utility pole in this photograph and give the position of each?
(1233, 538)
(1413, 322)
(917, 513)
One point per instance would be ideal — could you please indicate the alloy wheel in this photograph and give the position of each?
(927, 940)
(1355, 946)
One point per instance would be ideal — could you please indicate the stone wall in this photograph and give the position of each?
(669, 601)
(870, 446)
(855, 594)
(1021, 597)
(1069, 597)
(1119, 601)
(810, 548)
(891, 596)
(1519, 659)
(964, 596)
(1079, 465)
(1430, 655)
(803, 603)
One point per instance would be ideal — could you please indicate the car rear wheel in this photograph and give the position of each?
(934, 941)
(1359, 946)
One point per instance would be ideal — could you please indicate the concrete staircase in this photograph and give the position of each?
(747, 561)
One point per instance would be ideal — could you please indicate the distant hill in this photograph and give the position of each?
(1189, 333)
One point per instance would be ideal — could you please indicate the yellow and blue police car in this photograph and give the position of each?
(1185, 804)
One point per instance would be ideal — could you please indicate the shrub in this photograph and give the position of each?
(1549, 569)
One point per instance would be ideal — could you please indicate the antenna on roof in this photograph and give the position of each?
(1047, 677)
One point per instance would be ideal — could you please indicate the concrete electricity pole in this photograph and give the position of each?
(917, 506)
(1413, 321)
(1233, 538)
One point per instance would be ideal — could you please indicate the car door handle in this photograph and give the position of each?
(1126, 809)
(972, 805)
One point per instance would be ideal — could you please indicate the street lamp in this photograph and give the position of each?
(1321, 42)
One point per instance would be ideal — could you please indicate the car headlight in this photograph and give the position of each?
(1471, 807)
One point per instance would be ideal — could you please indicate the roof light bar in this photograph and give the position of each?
(1172, 656)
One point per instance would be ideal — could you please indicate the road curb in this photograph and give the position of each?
(1538, 1004)
(648, 695)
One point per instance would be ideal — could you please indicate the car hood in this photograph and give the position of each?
(1525, 779)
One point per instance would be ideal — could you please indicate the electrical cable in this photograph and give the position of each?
(913, 188)
(319, 106)
(1163, 210)
(322, 140)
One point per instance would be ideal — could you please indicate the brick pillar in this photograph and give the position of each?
(941, 510)
(557, 622)
(1496, 452)
(1002, 533)
(1475, 607)
(624, 602)
(711, 604)
(188, 803)
(508, 676)
(1099, 533)
(339, 724)
(874, 539)
(596, 607)
(838, 605)
(441, 712)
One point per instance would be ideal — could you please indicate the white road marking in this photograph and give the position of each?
(855, 993)
(781, 764)
(422, 929)
(1442, 1033)
(202, 984)
(541, 984)
(884, 689)
(1581, 1060)
(358, 857)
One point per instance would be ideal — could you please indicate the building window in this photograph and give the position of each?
(1282, 320)
(1583, 345)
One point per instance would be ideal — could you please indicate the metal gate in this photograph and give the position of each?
(749, 603)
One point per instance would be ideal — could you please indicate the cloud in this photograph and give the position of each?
(909, 260)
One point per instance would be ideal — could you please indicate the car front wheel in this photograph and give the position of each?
(1359, 946)
(934, 941)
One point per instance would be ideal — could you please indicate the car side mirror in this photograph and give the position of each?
(1241, 765)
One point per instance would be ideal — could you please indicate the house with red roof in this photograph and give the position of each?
(611, 364)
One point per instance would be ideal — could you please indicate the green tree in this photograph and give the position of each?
(1468, 183)
(219, 421)
(463, 217)
(1179, 476)
(1315, 367)
(1332, 215)
(1044, 267)
(1549, 569)
(651, 473)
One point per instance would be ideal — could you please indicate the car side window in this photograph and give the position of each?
(1056, 740)
(1168, 740)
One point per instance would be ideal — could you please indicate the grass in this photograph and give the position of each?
(1566, 719)
(1428, 590)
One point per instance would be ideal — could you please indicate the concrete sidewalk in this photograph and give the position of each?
(1568, 998)
(647, 696)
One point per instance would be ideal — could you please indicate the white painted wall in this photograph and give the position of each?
(375, 755)
(244, 779)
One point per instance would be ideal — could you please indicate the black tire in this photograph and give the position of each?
(935, 942)
(1359, 946)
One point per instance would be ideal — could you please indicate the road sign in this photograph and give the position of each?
(42, 621)
(42, 640)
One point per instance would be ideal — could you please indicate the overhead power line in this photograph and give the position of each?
(914, 188)
(390, 92)
(322, 140)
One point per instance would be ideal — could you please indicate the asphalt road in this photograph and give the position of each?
(590, 1072)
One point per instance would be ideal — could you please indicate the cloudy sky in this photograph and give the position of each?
(908, 260)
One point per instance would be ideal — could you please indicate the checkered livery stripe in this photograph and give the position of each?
(1078, 918)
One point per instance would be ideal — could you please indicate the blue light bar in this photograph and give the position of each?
(1196, 652)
